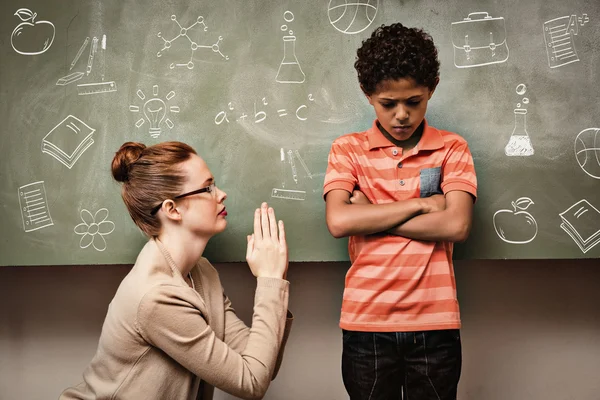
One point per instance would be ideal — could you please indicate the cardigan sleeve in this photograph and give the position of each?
(169, 320)
(236, 332)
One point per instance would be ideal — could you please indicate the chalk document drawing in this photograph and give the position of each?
(516, 226)
(31, 37)
(184, 32)
(94, 228)
(479, 40)
(587, 151)
(289, 70)
(581, 221)
(34, 206)
(519, 143)
(352, 16)
(155, 111)
(68, 140)
(559, 38)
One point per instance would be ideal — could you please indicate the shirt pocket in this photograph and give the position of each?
(430, 181)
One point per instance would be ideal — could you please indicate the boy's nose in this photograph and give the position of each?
(401, 114)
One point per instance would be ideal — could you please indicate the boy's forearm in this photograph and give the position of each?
(444, 225)
(366, 219)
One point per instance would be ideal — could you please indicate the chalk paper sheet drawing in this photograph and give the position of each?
(97, 57)
(559, 37)
(185, 33)
(34, 206)
(516, 226)
(155, 111)
(68, 140)
(31, 37)
(352, 16)
(587, 151)
(94, 228)
(478, 40)
(289, 70)
(581, 221)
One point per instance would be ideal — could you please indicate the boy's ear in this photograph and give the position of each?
(368, 96)
(437, 80)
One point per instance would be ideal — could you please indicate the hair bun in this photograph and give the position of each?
(127, 155)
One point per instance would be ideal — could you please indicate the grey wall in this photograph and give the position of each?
(531, 329)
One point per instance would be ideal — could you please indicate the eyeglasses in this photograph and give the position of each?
(210, 189)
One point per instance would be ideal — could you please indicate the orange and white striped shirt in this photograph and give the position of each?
(397, 284)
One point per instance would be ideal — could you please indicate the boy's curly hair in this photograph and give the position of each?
(393, 52)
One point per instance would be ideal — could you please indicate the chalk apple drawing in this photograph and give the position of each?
(31, 37)
(516, 226)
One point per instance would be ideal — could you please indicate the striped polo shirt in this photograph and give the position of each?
(397, 284)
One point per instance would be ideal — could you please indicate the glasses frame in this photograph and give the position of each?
(207, 189)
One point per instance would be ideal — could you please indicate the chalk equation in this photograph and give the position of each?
(260, 115)
(184, 33)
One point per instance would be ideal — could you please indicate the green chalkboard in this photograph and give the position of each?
(261, 89)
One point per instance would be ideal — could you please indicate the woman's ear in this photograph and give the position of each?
(171, 211)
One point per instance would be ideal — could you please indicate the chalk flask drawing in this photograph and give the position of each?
(519, 143)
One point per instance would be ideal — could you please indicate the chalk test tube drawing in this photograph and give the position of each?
(289, 70)
(68, 140)
(34, 206)
(479, 40)
(94, 228)
(587, 151)
(184, 32)
(519, 143)
(581, 221)
(559, 38)
(516, 226)
(155, 111)
(31, 37)
(352, 16)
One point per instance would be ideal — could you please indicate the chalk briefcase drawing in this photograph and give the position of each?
(478, 40)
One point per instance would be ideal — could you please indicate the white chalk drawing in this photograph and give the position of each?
(519, 143)
(516, 226)
(581, 221)
(184, 32)
(260, 115)
(479, 40)
(68, 140)
(587, 151)
(289, 70)
(155, 111)
(95, 88)
(31, 37)
(92, 87)
(352, 16)
(288, 194)
(34, 206)
(94, 228)
(559, 39)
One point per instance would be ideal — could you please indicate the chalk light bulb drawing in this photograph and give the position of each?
(155, 111)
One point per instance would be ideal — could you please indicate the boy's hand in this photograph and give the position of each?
(359, 197)
(434, 203)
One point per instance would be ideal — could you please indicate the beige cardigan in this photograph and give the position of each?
(161, 338)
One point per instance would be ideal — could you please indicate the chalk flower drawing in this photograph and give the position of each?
(94, 228)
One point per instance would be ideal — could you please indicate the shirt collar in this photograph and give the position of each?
(430, 140)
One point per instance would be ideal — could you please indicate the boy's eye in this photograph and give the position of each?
(413, 102)
(388, 105)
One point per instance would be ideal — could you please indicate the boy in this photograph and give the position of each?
(403, 192)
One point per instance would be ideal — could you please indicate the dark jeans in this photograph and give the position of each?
(402, 365)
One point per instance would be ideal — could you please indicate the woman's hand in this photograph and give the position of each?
(267, 252)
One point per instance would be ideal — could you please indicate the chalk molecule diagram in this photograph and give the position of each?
(183, 32)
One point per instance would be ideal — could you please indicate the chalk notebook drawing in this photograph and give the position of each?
(582, 222)
(68, 140)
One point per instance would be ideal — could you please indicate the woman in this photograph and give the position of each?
(170, 332)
